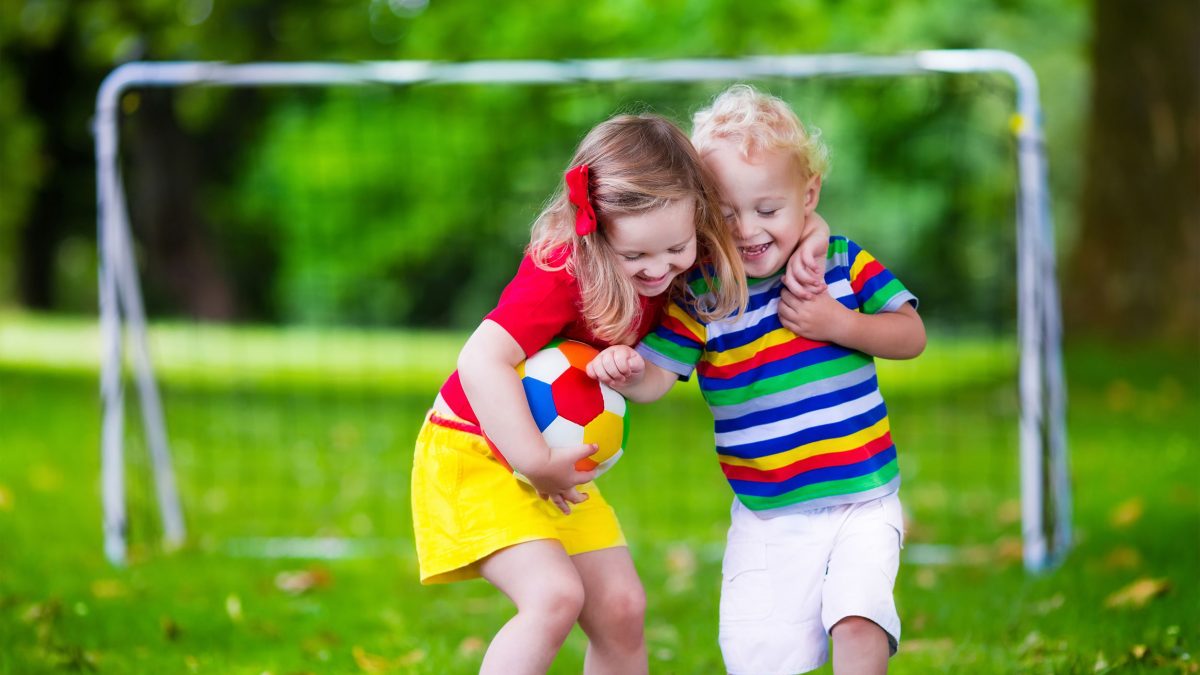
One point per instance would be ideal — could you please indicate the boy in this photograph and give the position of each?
(801, 428)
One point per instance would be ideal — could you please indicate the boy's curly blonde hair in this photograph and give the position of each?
(759, 122)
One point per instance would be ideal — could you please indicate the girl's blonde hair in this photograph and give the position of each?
(636, 163)
(760, 122)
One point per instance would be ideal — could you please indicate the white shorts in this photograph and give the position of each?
(787, 580)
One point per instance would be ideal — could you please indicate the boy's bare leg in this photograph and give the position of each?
(614, 613)
(860, 647)
(541, 581)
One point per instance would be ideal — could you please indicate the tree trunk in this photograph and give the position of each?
(1135, 271)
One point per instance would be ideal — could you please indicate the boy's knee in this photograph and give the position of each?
(857, 629)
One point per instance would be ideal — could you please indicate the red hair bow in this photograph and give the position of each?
(577, 193)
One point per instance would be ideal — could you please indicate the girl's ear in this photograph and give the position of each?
(812, 194)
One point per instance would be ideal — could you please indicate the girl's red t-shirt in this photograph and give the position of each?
(537, 306)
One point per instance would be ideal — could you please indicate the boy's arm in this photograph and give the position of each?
(486, 367)
(887, 335)
(626, 371)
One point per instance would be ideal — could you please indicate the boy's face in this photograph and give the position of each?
(766, 200)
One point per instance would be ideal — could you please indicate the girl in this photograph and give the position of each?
(604, 257)
(606, 254)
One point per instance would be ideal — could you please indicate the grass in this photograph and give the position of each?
(324, 453)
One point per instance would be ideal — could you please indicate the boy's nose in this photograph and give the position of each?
(742, 230)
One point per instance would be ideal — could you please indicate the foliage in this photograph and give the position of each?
(914, 159)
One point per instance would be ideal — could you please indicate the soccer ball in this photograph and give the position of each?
(571, 408)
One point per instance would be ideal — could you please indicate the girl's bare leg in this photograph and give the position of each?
(540, 579)
(614, 612)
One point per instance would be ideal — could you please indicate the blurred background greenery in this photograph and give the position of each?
(1118, 81)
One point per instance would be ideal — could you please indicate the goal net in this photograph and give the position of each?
(292, 255)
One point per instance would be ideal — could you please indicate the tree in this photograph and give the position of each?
(1136, 268)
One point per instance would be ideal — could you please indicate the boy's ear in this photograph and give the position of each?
(812, 194)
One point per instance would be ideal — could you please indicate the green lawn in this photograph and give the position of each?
(324, 452)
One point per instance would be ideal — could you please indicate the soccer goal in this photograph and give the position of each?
(291, 255)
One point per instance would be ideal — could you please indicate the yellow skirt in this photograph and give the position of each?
(466, 506)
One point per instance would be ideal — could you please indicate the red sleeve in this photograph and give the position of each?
(537, 305)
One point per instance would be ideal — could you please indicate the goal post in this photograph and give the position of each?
(1044, 481)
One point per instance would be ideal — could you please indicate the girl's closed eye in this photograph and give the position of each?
(631, 256)
(767, 213)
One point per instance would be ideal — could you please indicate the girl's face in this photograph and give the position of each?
(654, 247)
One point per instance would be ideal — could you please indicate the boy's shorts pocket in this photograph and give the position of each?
(745, 582)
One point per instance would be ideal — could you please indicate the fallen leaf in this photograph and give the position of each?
(926, 578)
(6, 498)
(1009, 549)
(1127, 513)
(1101, 663)
(1138, 593)
(107, 589)
(1138, 651)
(412, 658)
(938, 645)
(296, 582)
(1009, 512)
(170, 629)
(370, 663)
(681, 568)
(1123, 558)
(1050, 604)
(233, 607)
(471, 646)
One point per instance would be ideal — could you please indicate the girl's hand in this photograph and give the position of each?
(617, 366)
(805, 275)
(557, 477)
(819, 318)
(563, 500)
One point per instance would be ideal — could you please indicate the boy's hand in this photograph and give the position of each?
(617, 366)
(557, 477)
(805, 275)
(819, 318)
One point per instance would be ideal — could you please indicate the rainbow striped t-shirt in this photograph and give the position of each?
(799, 424)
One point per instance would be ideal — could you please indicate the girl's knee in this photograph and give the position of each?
(620, 614)
(558, 602)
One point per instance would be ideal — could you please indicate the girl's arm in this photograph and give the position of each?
(887, 335)
(623, 369)
(805, 275)
(486, 367)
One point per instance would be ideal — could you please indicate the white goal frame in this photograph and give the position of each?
(1042, 433)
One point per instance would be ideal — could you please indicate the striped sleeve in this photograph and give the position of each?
(677, 343)
(875, 287)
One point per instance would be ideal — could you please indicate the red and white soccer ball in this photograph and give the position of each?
(571, 408)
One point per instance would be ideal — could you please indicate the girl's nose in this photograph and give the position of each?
(656, 269)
